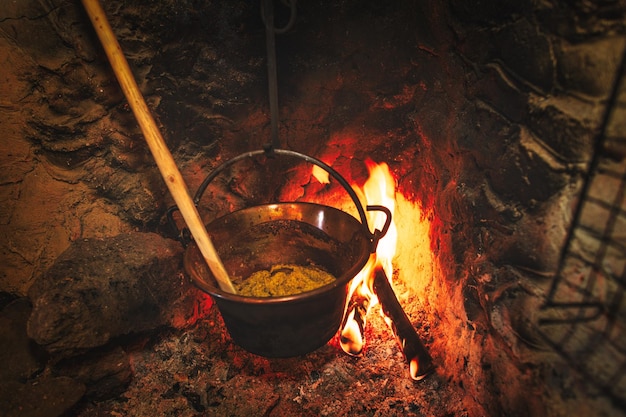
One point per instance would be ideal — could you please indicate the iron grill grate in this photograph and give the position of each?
(584, 317)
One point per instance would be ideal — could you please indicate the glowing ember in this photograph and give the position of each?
(201, 306)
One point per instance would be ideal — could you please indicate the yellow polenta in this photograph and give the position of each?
(283, 279)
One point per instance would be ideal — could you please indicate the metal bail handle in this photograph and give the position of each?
(373, 236)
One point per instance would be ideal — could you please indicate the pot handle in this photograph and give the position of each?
(375, 236)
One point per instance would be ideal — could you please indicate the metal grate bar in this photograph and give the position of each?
(584, 316)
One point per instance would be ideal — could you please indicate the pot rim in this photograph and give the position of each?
(340, 281)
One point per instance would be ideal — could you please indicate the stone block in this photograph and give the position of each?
(526, 52)
(19, 358)
(100, 289)
(565, 126)
(487, 11)
(500, 93)
(45, 397)
(590, 67)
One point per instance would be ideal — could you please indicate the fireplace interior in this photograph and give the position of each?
(500, 124)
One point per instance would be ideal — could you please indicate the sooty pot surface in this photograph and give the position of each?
(259, 237)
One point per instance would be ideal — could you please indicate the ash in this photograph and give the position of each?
(200, 371)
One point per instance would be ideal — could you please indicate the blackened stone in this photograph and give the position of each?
(491, 137)
(526, 52)
(522, 176)
(535, 241)
(6, 298)
(44, 397)
(140, 195)
(19, 357)
(500, 93)
(105, 374)
(567, 136)
(99, 289)
(483, 11)
(475, 45)
(516, 175)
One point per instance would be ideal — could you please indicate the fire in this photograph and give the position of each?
(379, 189)
(362, 298)
(321, 175)
(372, 286)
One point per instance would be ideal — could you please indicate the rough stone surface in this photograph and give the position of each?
(105, 373)
(569, 136)
(579, 21)
(524, 245)
(357, 80)
(526, 52)
(484, 12)
(589, 68)
(19, 357)
(44, 397)
(100, 289)
(494, 88)
(27, 375)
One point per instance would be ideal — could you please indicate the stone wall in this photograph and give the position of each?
(539, 78)
(487, 115)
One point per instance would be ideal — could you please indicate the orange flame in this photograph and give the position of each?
(406, 244)
(321, 175)
(379, 189)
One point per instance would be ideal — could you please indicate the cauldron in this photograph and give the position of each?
(297, 233)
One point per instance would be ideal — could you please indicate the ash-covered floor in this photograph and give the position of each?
(199, 371)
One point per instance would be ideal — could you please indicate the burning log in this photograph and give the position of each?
(415, 353)
(352, 337)
(372, 286)
(352, 333)
(362, 298)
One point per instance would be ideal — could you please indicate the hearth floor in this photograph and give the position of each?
(200, 371)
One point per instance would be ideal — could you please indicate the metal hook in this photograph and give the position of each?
(267, 14)
(268, 5)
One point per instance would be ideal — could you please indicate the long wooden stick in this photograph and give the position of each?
(160, 152)
(415, 353)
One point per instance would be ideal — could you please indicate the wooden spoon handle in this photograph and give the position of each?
(160, 152)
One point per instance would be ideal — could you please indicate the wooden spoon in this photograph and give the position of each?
(160, 152)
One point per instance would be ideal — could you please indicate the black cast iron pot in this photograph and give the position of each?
(305, 234)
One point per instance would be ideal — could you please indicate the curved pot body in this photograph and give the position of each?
(259, 237)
